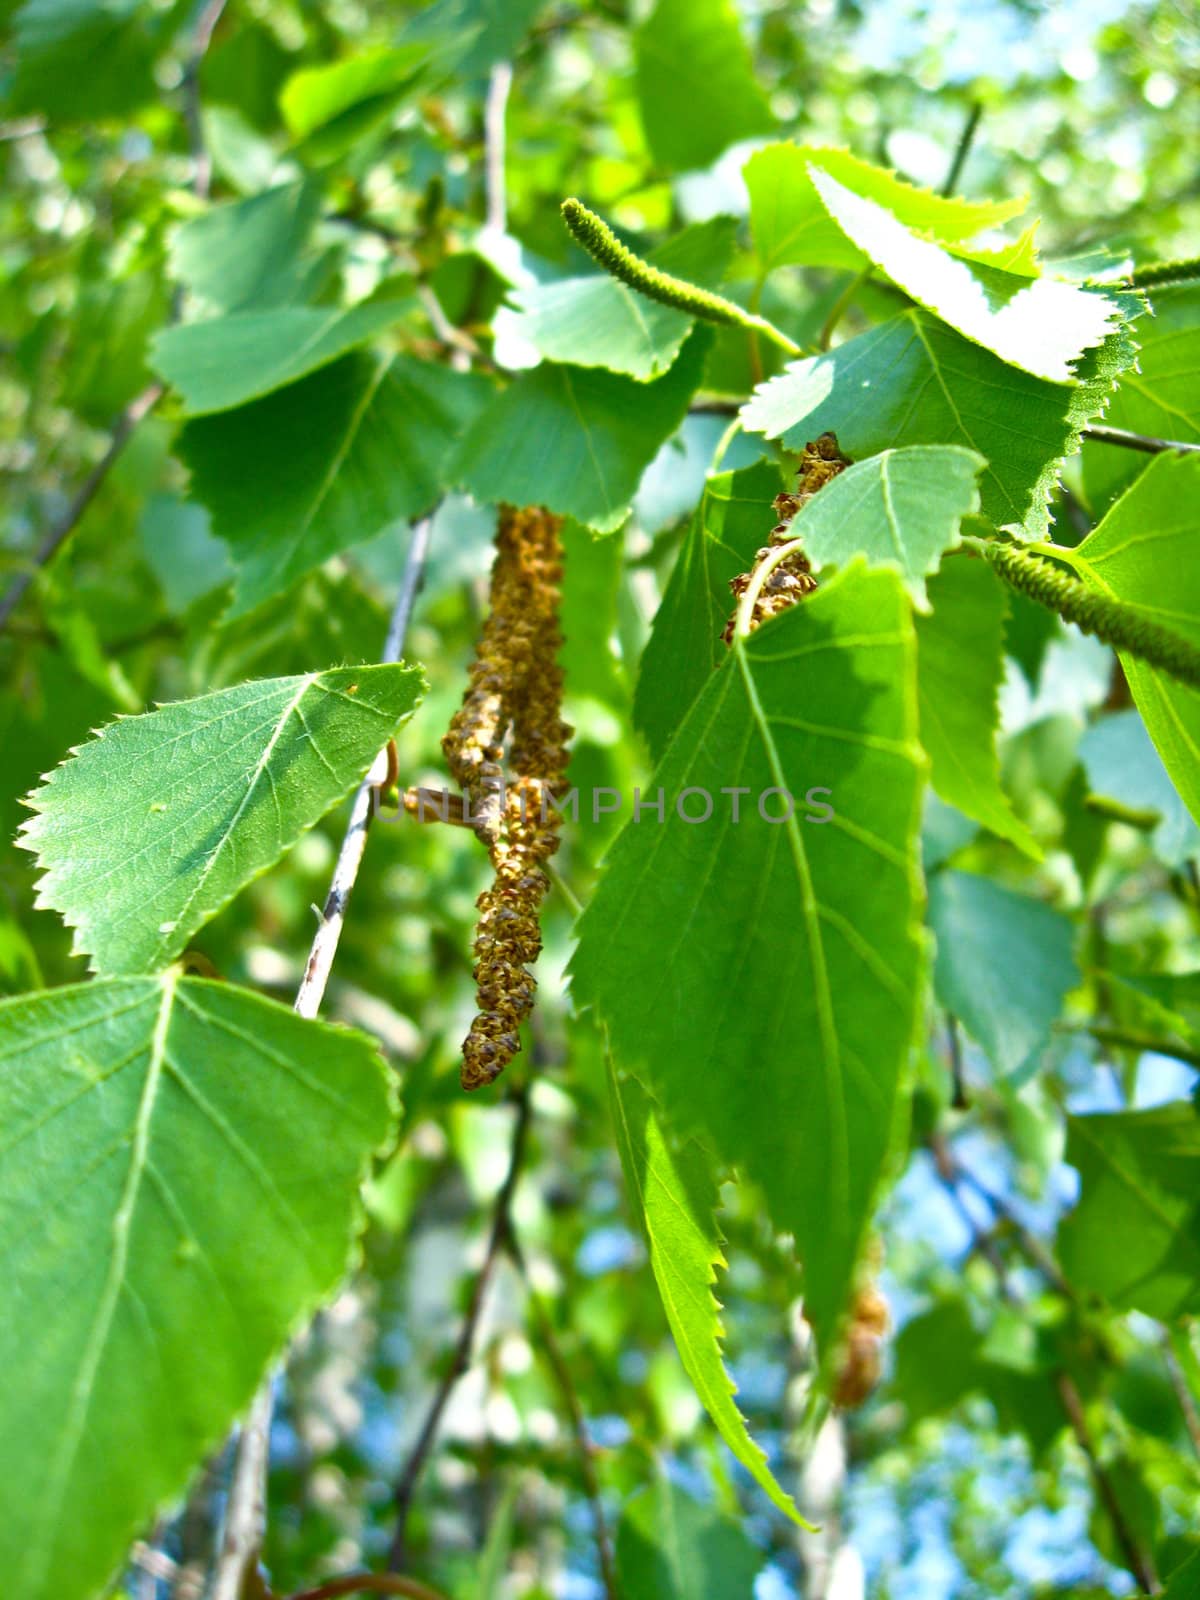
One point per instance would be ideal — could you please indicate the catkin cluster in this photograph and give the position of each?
(1114, 622)
(862, 1352)
(514, 692)
(792, 579)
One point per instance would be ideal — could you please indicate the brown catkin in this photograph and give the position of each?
(862, 1352)
(514, 687)
(788, 583)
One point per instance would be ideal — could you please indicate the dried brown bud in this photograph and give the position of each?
(862, 1352)
(791, 579)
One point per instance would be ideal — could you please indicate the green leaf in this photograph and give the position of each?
(82, 60)
(1040, 325)
(913, 381)
(1144, 554)
(178, 1193)
(1121, 762)
(696, 88)
(146, 831)
(899, 509)
(960, 667)
(1003, 964)
(346, 452)
(791, 226)
(251, 253)
(1159, 398)
(761, 977)
(675, 1192)
(1184, 1582)
(730, 523)
(317, 96)
(672, 1547)
(223, 362)
(592, 573)
(598, 321)
(1134, 1237)
(576, 439)
(483, 31)
(937, 1359)
(178, 546)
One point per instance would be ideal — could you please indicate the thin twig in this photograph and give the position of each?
(406, 1483)
(145, 402)
(1179, 1383)
(840, 306)
(495, 108)
(562, 1374)
(715, 408)
(62, 530)
(1132, 1039)
(24, 128)
(462, 347)
(206, 23)
(963, 148)
(1147, 443)
(1139, 1561)
(958, 1082)
(370, 1583)
(246, 1517)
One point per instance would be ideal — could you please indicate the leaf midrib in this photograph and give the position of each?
(97, 1339)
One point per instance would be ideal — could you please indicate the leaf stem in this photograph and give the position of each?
(602, 244)
(1138, 1039)
(963, 148)
(840, 306)
(206, 26)
(562, 1373)
(494, 109)
(1139, 1562)
(1112, 621)
(1146, 442)
(57, 535)
(780, 553)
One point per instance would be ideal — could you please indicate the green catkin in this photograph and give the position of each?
(602, 244)
(1155, 272)
(1112, 622)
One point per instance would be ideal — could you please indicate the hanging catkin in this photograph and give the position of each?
(514, 690)
(791, 579)
(862, 1351)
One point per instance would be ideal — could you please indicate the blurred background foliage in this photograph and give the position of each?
(958, 1477)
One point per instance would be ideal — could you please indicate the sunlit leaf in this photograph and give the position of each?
(224, 362)
(178, 1192)
(792, 227)
(913, 381)
(761, 977)
(1144, 554)
(1134, 1236)
(960, 667)
(696, 88)
(674, 1191)
(1041, 325)
(149, 828)
(598, 321)
(731, 522)
(348, 452)
(577, 439)
(1003, 966)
